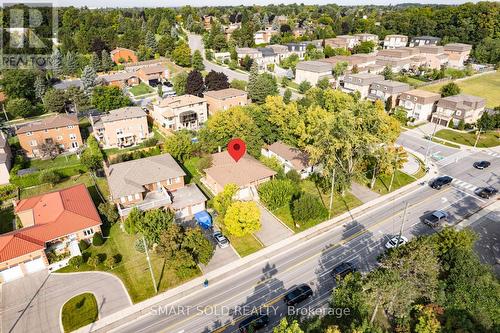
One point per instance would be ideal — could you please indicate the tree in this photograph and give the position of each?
(388, 73)
(285, 327)
(40, 87)
(18, 83)
(109, 211)
(323, 83)
(304, 86)
(223, 199)
(198, 245)
(181, 55)
(94, 261)
(19, 107)
(106, 98)
(450, 89)
(75, 261)
(287, 95)
(364, 47)
(56, 63)
(133, 220)
(195, 85)
(95, 62)
(307, 207)
(216, 81)
(78, 99)
(54, 100)
(153, 223)
(265, 85)
(198, 61)
(106, 61)
(242, 218)
(88, 78)
(150, 42)
(97, 239)
(49, 177)
(340, 69)
(277, 193)
(110, 262)
(179, 83)
(170, 241)
(179, 145)
(426, 320)
(70, 65)
(239, 84)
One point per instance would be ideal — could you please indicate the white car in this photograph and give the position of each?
(393, 242)
(221, 240)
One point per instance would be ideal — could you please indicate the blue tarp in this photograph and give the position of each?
(204, 219)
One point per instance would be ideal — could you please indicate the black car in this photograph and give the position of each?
(439, 182)
(298, 294)
(481, 165)
(486, 192)
(253, 323)
(343, 269)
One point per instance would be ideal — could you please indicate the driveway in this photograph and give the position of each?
(220, 258)
(34, 303)
(272, 230)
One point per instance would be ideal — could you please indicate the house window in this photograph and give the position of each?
(74, 144)
(123, 199)
(29, 133)
(119, 131)
(33, 143)
(459, 113)
(130, 197)
(88, 232)
(70, 126)
(138, 196)
(72, 136)
(415, 99)
(46, 130)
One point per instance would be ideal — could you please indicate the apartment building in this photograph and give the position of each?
(419, 104)
(459, 107)
(360, 82)
(387, 90)
(180, 112)
(221, 100)
(457, 53)
(395, 41)
(50, 136)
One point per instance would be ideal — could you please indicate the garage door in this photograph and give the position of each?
(11, 274)
(34, 265)
(182, 212)
(197, 208)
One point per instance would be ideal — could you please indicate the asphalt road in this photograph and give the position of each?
(222, 305)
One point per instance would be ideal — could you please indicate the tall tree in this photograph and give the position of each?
(195, 84)
(198, 61)
(106, 61)
(56, 63)
(181, 55)
(179, 83)
(450, 89)
(70, 63)
(242, 218)
(40, 87)
(95, 62)
(223, 199)
(106, 98)
(216, 81)
(54, 100)
(88, 78)
(195, 243)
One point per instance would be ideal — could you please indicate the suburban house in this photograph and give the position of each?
(252, 53)
(459, 107)
(299, 32)
(247, 174)
(400, 58)
(387, 90)
(424, 40)
(361, 61)
(264, 36)
(207, 21)
(180, 112)
(50, 136)
(269, 57)
(419, 104)
(297, 48)
(218, 100)
(152, 75)
(135, 66)
(121, 128)
(434, 56)
(5, 159)
(121, 55)
(457, 54)
(313, 71)
(228, 31)
(347, 42)
(120, 79)
(153, 182)
(360, 82)
(367, 38)
(395, 41)
(281, 51)
(52, 223)
(291, 158)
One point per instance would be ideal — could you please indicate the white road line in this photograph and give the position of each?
(470, 195)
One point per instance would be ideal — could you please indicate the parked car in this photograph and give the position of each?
(396, 241)
(481, 165)
(342, 269)
(220, 239)
(486, 192)
(436, 218)
(253, 323)
(439, 182)
(298, 295)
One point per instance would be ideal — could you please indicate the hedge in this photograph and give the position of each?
(33, 179)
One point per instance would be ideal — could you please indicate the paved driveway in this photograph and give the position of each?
(33, 303)
(272, 230)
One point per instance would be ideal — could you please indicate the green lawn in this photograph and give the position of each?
(58, 162)
(140, 89)
(245, 245)
(79, 311)
(486, 140)
(341, 204)
(6, 217)
(484, 86)
(445, 143)
(133, 267)
(383, 182)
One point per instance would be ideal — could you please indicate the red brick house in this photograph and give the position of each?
(51, 223)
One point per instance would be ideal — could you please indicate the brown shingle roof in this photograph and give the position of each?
(59, 120)
(298, 158)
(225, 93)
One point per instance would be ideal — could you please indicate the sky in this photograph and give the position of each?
(177, 3)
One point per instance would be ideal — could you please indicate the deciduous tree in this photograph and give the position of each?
(242, 218)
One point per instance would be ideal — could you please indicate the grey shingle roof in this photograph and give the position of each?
(123, 113)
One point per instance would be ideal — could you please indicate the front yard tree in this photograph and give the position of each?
(304, 86)
(277, 193)
(88, 78)
(56, 63)
(133, 220)
(388, 73)
(252, 79)
(18, 83)
(108, 210)
(198, 61)
(450, 89)
(94, 261)
(150, 42)
(170, 240)
(195, 85)
(181, 55)
(179, 145)
(216, 81)
(54, 100)
(265, 85)
(95, 62)
(223, 200)
(155, 221)
(179, 83)
(242, 218)
(106, 98)
(198, 245)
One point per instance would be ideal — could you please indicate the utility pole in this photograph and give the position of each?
(430, 140)
(149, 264)
(402, 223)
(5, 112)
(477, 138)
(394, 171)
(331, 194)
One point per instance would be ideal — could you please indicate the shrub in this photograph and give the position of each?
(76, 261)
(8, 191)
(83, 245)
(97, 240)
(139, 246)
(49, 176)
(94, 261)
(307, 208)
(293, 176)
(110, 262)
(304, 86)
(109, 211)
(461, 125)
(151, 142)
(277, 193)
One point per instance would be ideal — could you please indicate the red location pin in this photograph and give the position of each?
(236, 148)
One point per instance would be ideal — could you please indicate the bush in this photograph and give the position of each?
(110, 262)
(461, 125)
(139, 246)
(83, 245)
(49, 176)
(304, 86)
(151, 142)
(97, 240)
(94, 261)
(76, 261)
(293, 176)
(7, 192)
(109, 211)
(277, 193)
(307, 208)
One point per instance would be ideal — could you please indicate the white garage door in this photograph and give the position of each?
(34, 265)
(197, 208)
(11, 274)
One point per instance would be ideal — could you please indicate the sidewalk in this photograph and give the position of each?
(363, 193)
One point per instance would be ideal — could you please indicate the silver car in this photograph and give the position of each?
(396, 241)
(221, 240)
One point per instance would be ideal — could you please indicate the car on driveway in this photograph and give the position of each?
(481, 165)
(396, 241)
(298, 294)
(342, 269)
(253, 323)
(440, 182)
(220, 239)
(486, 192)
(436, 218)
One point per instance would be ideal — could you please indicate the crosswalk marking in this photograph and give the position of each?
(462, 184)
(493, 154)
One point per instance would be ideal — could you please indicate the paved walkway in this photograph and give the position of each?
(272, 230)
(33, 303)
(363, 193)
(411, 166)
